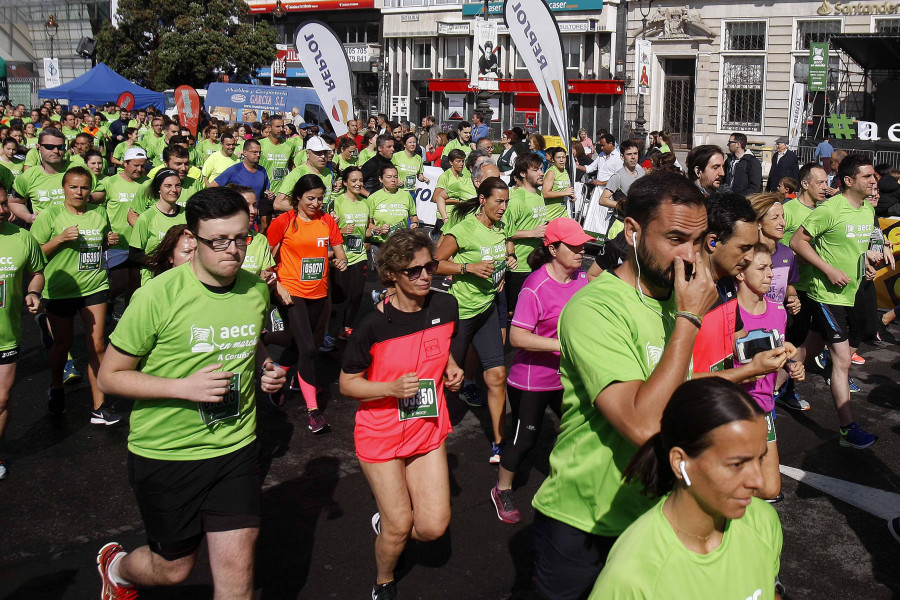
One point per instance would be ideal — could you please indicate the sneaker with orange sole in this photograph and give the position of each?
(856, 359)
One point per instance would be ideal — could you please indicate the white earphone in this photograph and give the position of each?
(687, 480)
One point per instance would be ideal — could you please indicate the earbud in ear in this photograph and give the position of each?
(634, 237)
(712, 243)
(684, 475)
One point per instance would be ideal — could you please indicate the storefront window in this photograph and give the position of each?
(455, 53)
(816, 30)
(421, 54)
(742, 92)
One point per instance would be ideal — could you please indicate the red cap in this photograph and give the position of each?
(566, 230)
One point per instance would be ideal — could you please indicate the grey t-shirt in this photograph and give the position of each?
(622, 179)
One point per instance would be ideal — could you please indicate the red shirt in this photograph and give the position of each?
(303, 255)
(358, 139)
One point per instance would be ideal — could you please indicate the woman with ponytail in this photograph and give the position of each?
(708, 536)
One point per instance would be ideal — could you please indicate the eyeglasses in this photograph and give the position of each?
(222, 244)
(60, 147)
(415, 272)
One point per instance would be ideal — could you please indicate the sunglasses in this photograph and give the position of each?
(60, 147)
(415, 272)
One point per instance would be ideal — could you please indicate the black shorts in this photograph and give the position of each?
(798, 325)
(830, 321)
(483, 332)
(513, 288)
(9, 357)
(181, 500)
(69, 307)
(126, 264)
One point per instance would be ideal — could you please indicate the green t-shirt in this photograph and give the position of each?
(358, 213)
(525, 211)
(287, 184)
(585, 487)
(69, 134)
(795, 212)
(259, 255)
(30, 142)
(153, 145)
(216, 164)
(41, 189)
(14, 166)
(649, 561)
(408, 168)
(32, 157)
(143, 200)
(340, 164)
(390, 209)
(19, 253)
(556, 207)
(122, 147)
(477, 243)
(364, 156)
(840, 236)
(193, 172)
(150, 229)
(178, 326)
(75, 269)
(206, 148)
(456, 145)
(7, 178)
(276, 160)
(120, 195)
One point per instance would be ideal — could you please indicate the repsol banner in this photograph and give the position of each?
(535, 34)
(323, 57)
(426, 208)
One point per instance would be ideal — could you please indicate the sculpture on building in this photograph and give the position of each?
(677, 23)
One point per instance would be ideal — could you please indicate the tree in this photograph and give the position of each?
(164, 44)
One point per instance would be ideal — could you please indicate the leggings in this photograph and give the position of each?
(300, 322)
(348, 287)
(528, 414)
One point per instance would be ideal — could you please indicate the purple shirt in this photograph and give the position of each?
(537, 310)
(784, 272)
(775, 317)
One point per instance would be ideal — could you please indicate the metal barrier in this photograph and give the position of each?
(805, 154)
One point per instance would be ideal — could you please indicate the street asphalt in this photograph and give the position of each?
(67, 495)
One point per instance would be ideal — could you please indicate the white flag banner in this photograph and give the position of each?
(323, 57)
(798, 114)
(642, 53)
(535, 34)
(486, 56)
(51, 72)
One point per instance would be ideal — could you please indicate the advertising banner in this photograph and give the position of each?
(426, 208)
(798, 114)
(323, 57)
(535, 34)
(51, 72)
(818, 66)
(642, 53)
(496, 8)
(887, 281)
(125, 101)
(187, 101)
(267, 6)
(485, 57)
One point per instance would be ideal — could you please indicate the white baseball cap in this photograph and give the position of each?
(317, 144)
(133, 153)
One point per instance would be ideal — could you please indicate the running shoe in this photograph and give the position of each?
(385, 591)
(328, 344)
(854, 387)
(496, 451)
(346, 333)
(3, 470)
(505, 504)
(46, 337)
(471, 395)
(317, 422)
(822, 359)
(112, 590)
(884, 335)
(56, 403)
(376, 523)
(105, 416)
(894, 527)
(856, 359)
(792, 400)
(70, 373)
(854, 436)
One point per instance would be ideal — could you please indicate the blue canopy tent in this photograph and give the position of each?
(101, 85)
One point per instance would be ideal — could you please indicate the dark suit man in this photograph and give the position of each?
(784, 164)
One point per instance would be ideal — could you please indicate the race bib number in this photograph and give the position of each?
(421, 406)
(499, 272)
(354, 243)
(722, 365)
(396, 226)
(89, 258)
(2, 293)
(312, 269)
(228, 408)
(277, 321)
(279, 173)
(410, 182)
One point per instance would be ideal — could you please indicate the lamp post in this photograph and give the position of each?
(482, 104)
(52, 27)
(640, 121)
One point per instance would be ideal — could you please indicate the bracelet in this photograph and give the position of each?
(38, 294)
(512, 254)
(692, 317)
(462, 268)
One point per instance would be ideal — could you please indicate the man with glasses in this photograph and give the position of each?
(317, 151)
(249, 173)
(743, 171)
(187, 351)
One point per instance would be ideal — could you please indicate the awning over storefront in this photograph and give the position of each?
(576, 86)
(871, 51)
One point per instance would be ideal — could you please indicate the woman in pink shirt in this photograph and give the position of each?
(534, 382)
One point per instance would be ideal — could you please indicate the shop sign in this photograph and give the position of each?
(357, 53)
(267, 6)
(572, 26)
(408, 17)
(453, 28)
(818, 66)
(496, 8)
(858, 8)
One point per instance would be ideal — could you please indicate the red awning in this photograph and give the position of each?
(576, 86)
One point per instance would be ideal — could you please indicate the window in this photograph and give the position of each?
(745, 35)
(818, 30)
(421, 54)
(455, 53)
(887, 26)
(520, 64)
(571, 51)
(742, 92)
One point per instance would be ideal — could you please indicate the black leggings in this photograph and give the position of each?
(298, 338)
(348, 287)
(528, 410)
